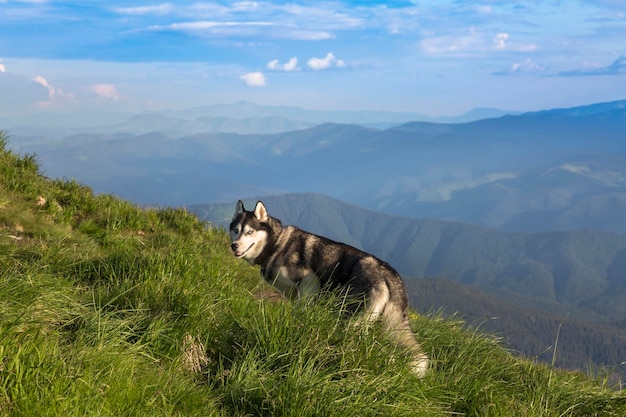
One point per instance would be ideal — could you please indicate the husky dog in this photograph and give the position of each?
(300, 264)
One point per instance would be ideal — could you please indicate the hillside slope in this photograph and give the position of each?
(110, 310)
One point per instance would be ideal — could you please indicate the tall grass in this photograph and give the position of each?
(111, 310)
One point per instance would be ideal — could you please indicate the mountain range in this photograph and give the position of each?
(561, 169)
(240, 117)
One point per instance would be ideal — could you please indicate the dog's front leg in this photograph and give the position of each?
(308, 286)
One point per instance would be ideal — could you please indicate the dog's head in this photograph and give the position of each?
(249, 231)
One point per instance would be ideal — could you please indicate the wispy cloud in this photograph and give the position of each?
(159, 9)
(214, 28)
(55, 95)
(474, 40)
(617, 67)
(240, 19)
(247, 30)
(524, 67)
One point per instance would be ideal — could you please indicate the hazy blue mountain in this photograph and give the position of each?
(581, 272)
(240, 117)
(541, 171)
(162, 123)
(243, 109)
(146, 123)
(581, 344)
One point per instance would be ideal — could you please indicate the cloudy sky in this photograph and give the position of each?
(432, 57)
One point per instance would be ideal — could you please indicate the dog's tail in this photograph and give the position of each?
(390, 302)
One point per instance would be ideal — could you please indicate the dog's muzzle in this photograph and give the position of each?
(236, 252)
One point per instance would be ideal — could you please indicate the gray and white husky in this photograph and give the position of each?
(299, 264)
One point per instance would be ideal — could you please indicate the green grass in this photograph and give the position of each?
(111, 310)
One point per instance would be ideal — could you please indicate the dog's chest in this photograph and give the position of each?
(293, 282)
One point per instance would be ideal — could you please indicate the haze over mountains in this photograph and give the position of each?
(240, 117)
(560, 169)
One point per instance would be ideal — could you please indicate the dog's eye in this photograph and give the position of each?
(236, 231)
(250, 232)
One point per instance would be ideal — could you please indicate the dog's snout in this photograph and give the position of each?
(234, 246)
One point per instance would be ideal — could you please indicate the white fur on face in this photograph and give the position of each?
(249, 240)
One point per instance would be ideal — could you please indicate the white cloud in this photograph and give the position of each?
(107, 91)
(41, 80)
(2, 67)
(326, 62)
(274, 65)
(291, 65)
(500, 40)
(321, 63)
(254, 79)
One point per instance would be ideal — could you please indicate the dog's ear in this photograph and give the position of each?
(260, 212)
(239, 209)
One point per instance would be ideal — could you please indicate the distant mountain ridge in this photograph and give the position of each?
(243, 109)
(240, 117)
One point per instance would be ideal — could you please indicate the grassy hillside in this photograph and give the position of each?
(107, 309)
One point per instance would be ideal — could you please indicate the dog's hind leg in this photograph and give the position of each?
(375, 303)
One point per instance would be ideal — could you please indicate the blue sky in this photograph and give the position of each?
(437, 58)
